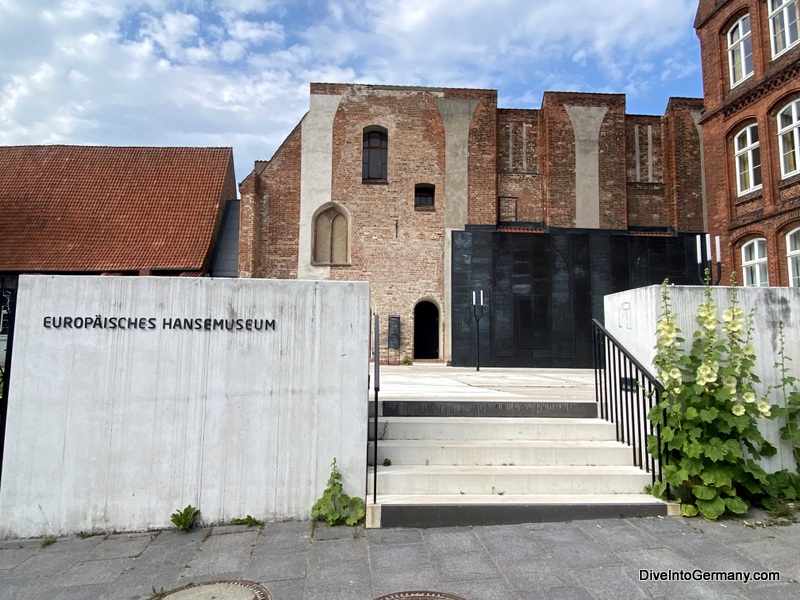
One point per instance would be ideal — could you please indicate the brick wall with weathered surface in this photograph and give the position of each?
(519, 180)
(774, 210)
(397, 248)
(269, 219)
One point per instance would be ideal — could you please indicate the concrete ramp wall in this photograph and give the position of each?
(132, 397)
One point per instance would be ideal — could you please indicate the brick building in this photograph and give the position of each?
(751, 135)
(424, 191)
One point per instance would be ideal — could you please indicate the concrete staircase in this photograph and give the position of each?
(512, 467)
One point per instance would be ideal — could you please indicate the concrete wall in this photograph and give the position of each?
(112, 428)
(632, 316)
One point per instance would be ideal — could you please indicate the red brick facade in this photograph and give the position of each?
(486, 165)
(770, 83)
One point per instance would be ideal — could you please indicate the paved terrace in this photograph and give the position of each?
(296, 561)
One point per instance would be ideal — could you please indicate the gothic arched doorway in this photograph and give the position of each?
(426, 330)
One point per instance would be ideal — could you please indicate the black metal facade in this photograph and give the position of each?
(542, 290)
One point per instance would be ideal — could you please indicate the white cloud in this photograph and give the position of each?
(236, 72)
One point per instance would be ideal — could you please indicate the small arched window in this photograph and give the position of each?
(375, 154)
(424, 194)
(331, 237)
(740, 51)
(793, 257)
(754, 263)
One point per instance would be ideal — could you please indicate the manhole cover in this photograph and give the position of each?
(220, 590)
(420, 596)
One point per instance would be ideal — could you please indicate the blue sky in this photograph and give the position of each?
(237, 72)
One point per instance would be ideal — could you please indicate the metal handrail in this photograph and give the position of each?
(626, 393)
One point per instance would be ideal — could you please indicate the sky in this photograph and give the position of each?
(236, 73)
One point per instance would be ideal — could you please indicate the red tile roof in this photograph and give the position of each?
(101, 208)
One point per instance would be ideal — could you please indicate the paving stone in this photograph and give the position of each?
(611, 582)
(94, 571)
(389, 582)
(121, 546)
(323, 531)
(140, 580)
(26, 589)
(337, 550)
(453, 539)
(559, 593)
(223, 554)
(393, 537)
(13, 557)
(465, 566)
(408, 557)
(277, 567)
(487, 589)
(525, 576)
(624, 537)
(779, 591)
(78, 592)
(344, 581)
(46, 563)
(511, 542)
(341, 573)
(583, 554)
(285, 590)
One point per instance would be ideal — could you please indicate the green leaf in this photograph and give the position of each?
(715, 449)
(711, 509)
(708, 415)
(688, 510)
(717, 476)
(704, 492)
(691, 413)
(736, 505)
(667, 434)
(658, 489)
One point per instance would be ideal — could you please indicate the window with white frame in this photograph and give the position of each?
(789, 138)
(793, 257)
(783, 25)
(740, 51)
(748, 160)
(754, 263)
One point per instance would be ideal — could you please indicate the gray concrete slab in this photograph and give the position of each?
(581, 559)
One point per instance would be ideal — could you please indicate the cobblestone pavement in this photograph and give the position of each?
(616, 558)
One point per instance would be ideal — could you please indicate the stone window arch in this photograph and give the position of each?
(331, 239)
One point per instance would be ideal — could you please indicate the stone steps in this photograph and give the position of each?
(502, 452)
(444, 471)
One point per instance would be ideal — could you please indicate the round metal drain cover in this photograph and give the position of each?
(220, 590)
(420, 596)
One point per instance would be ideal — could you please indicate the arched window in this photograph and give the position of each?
(783, 25)
(423, 196)
(793, 257)
(331, 237)
(375, 154)
(754, 263)
(748, 159)
(740, 51)
(789, 138)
